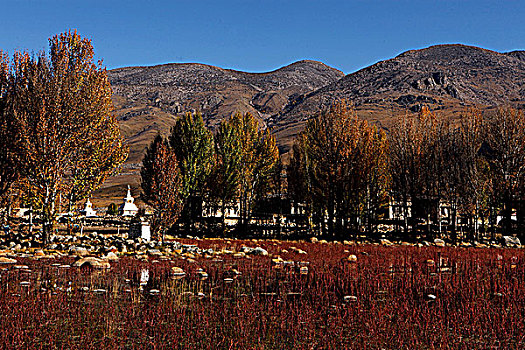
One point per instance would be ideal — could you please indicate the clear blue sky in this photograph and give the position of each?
(262, 35)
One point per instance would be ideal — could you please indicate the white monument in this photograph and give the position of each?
(88, 210)
(140, 229)
(128, 208)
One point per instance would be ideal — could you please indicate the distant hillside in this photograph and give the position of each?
(448, 78)
(148, 99)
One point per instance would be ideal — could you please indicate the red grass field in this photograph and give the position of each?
(390, 298)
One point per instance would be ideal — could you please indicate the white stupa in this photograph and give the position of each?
(88, 210)
(128, 208)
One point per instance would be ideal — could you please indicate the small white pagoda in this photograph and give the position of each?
(128, 208)
(88, 211)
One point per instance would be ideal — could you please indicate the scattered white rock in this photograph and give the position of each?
(352, 258)
(144, 277)
(439, 242)
(4, 260)
(80, 251)
(385, 242)
(511, 241)
(254, 251)
(202, 274)
(177, 272)
(349, 298)
(111, 256)
(431, 297)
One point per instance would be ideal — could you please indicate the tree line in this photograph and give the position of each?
(232, 167)
(345, 173)
(60, 141)
(348, 172)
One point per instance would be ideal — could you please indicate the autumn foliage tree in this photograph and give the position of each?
(466, 180)
(193, 145)
(8, 173)
(258, 156)
(67, 140)
(338, 168)
(161, 185)
(505, 138)
(417, 164)
(225, 176)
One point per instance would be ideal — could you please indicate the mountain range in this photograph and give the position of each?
(446, 78)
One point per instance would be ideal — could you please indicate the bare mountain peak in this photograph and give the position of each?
(148, 99)
(202, 66)
(449, 78)
(445, 51)
(519, 54)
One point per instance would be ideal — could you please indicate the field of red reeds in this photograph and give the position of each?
(401, 297)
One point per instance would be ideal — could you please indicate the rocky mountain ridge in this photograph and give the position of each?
(448, 78)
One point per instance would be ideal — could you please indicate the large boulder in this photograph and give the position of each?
(439, 242)
(4, 260)
(511, 241)
(93, 263)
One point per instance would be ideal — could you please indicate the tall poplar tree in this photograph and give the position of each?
(467, 184)
(193, 146)
(418, 162)
(339, 168)
(161, 185)
(60, 107)
(505, 138)
(225, 177)
(259, 154)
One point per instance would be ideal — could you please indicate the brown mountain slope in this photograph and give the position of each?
(148, 99)
(449, 78)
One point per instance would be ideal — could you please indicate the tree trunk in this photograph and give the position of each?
(507, 215)
(223, 218)
(405, 216)
(492, 223)
(476, 230)
(454, 232)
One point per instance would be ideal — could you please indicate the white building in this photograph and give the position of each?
(213, 210)
(128, 207)
(88, 210)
